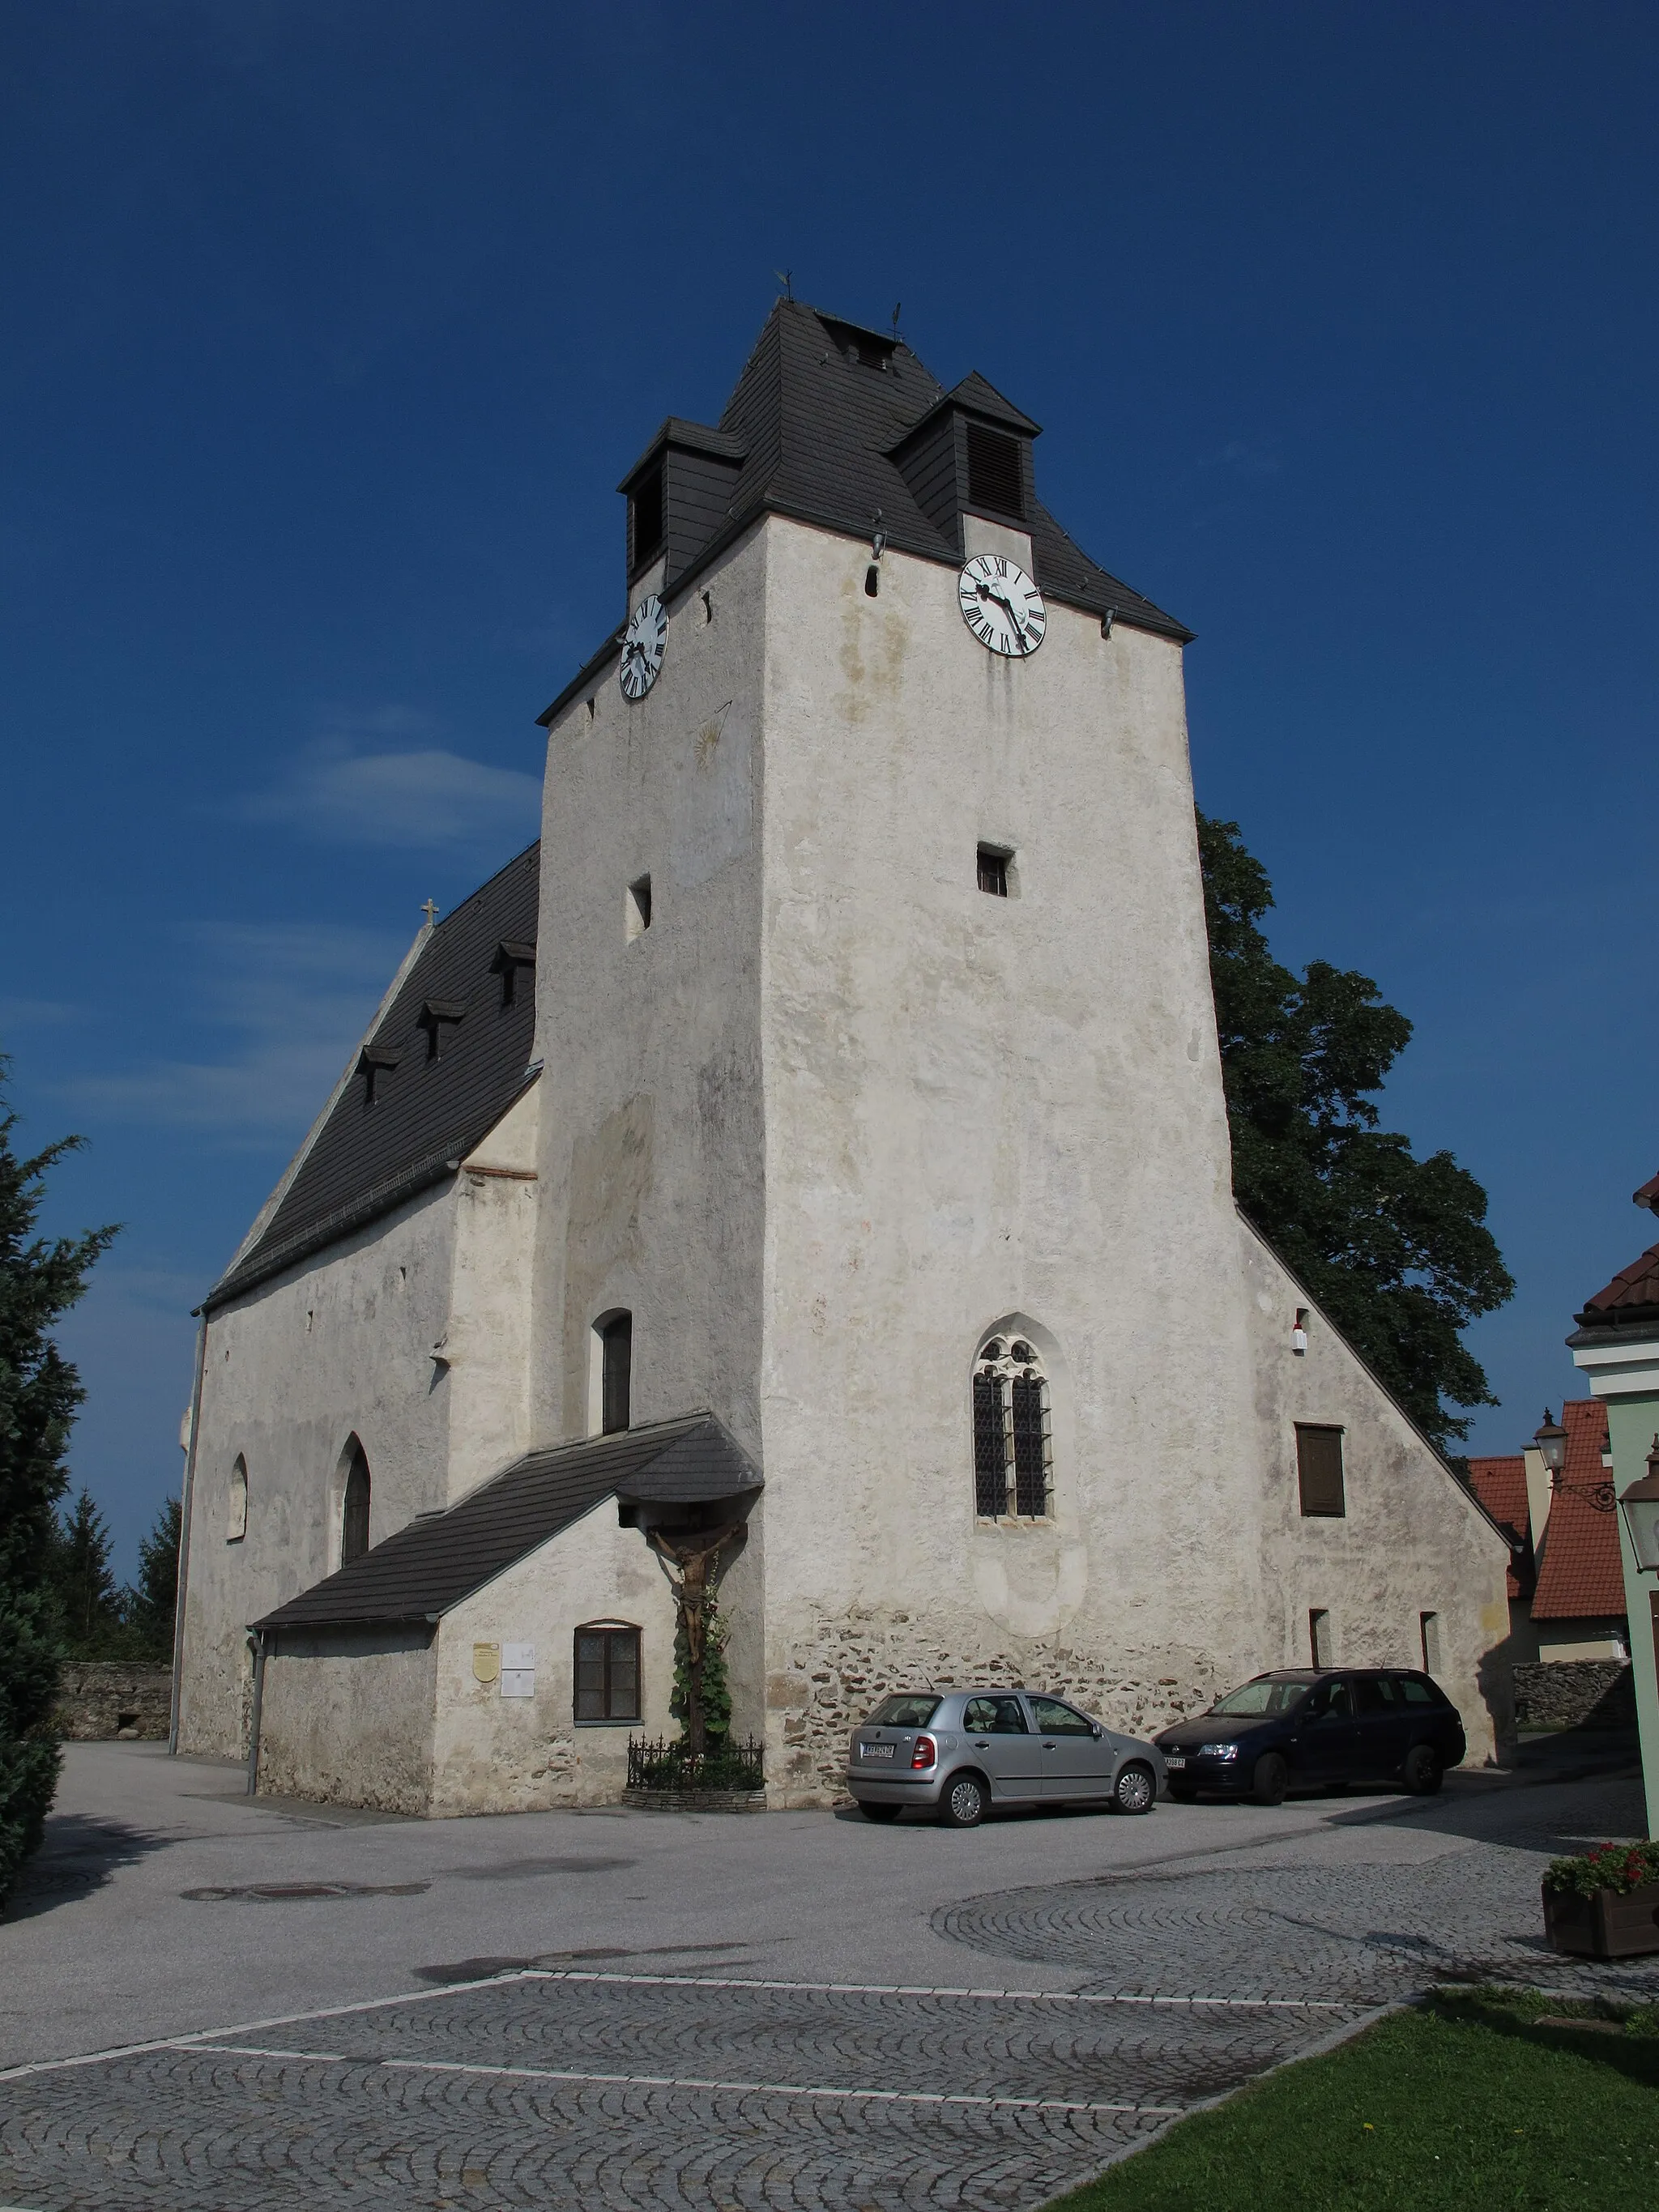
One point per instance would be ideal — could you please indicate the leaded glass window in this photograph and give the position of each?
(1013, 1451)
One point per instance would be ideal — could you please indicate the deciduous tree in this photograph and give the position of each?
(1395, 1249)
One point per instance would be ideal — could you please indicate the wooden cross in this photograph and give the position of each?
(430, 911)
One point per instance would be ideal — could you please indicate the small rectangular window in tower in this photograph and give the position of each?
(1319, 1636)
(995, 472)
(645, 522)
(993, 870)
(1428, 1631)
(607, 1672)
(637, 913)
(1319, 1472)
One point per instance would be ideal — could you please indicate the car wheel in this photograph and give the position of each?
(1135, 1790)
(1423, 1772)
(1184, 1793)
(882, 1814)
(1270, 1780)
(963, 1805)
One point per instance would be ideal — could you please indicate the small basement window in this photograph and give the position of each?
(644, 521)
(637, 913)
(993, 870)
(995, 477)
(607, 1672)
(1319, 1472)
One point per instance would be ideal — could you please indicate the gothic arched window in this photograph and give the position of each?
(354, 1507)
(1014, 1456)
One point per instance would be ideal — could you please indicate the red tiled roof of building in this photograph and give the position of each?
(1579, 1573)
(1635, 1286)
(1501, 1486)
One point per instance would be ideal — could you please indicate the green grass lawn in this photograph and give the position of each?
(1465, 2103)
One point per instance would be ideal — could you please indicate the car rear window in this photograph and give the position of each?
(903, 1712)
(1261, 1696)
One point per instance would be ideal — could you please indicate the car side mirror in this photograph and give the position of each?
(1094, 1728)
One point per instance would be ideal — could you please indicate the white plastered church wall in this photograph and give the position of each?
(1412, 1539)
(979, 1107)
(652, 1185)
(495, 1753)
(411, 1335)
(346, 1718)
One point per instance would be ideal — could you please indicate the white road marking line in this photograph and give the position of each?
(646, 1981)
(919, 1989)
(689, 2082)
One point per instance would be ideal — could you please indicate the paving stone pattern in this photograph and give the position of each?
(1366, 1932)
(741, 2096)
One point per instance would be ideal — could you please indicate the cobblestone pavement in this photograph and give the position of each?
(589, 2090)
(1360, 1929)
(740, 2087)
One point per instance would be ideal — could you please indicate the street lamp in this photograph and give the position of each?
(1551, 1441)
(1640, 1506)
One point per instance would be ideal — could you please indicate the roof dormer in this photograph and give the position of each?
(679, 495)
(969, 459)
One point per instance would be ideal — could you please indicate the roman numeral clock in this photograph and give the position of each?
(1001, 605)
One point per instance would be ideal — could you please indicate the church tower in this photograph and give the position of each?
(881, 1083)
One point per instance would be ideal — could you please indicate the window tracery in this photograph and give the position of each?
(1013, 1441)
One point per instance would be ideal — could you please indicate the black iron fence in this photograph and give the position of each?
(725, 1765)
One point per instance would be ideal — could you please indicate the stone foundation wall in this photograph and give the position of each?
(1597, 1693)
(822, 1698)
(97, 1700)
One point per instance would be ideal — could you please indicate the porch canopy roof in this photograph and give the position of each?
(439, 1558)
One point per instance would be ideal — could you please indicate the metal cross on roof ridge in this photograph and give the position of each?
(430, 908)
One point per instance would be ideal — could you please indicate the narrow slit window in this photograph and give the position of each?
(638, 912)
(1428, 1634)
(1319, 1636)
(615, 1373)
(236, 1504)
(354, 1507)
(1319, 1472)
(607, 1673)
(993, 870)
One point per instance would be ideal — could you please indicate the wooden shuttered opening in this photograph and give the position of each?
(994, 471)
(1319, 1471)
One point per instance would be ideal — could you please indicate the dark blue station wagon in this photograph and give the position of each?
(1303, 1729)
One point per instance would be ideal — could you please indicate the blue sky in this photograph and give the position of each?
(330, 329)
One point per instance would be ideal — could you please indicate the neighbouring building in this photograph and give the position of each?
(1566, 1591)
(813, 1151)
(1616, 1346)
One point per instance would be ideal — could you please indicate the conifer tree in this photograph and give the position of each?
(39, 1280)
(1395, 1249)
(152, 1603)
(84, 1582)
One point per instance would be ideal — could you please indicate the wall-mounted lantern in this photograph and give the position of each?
(1551, 1441)
(1640, 1506)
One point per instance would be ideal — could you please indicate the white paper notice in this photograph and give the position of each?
(517, 1670)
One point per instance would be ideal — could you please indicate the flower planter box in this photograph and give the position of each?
(1605, 1926)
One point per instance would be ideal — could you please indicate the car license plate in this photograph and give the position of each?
(876, 1751)
(1174, 1759)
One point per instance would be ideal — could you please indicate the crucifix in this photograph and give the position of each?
(430, 910)
(693, 1556)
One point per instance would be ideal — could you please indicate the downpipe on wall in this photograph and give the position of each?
(253, 1718)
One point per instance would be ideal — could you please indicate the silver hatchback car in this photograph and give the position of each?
(957, 1753)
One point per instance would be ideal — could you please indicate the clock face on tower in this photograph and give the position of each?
(643, 644)
(1001, 605)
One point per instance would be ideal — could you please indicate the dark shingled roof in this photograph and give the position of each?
(428, 1112)
(817, 431)
(440, 1558)
(1630, 1301)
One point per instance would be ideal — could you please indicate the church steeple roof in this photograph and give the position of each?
(811, 430)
